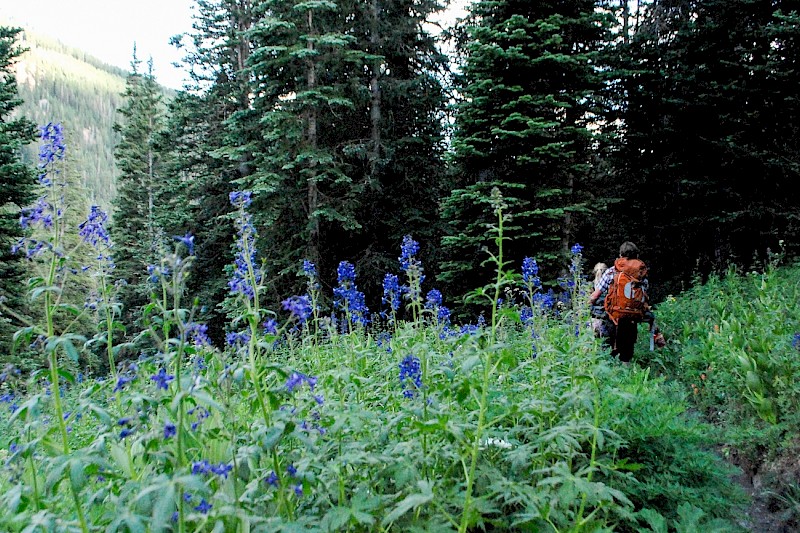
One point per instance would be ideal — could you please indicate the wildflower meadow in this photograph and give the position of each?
(342, 418)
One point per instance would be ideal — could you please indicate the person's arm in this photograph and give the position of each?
(602, 286)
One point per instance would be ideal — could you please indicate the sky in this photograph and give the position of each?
(108, 29)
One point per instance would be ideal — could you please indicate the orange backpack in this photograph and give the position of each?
(626, 296)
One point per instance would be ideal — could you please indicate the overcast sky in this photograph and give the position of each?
(107, 29)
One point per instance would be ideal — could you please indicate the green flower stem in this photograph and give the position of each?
(266, 412)
(109, 328)
(488, 369)
(34, 479)
(580, 521)
(53, 360)
(253, 317)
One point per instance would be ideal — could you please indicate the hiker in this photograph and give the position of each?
(623, 289)
(598, 310)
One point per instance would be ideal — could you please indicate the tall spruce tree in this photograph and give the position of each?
(135, 231)
(350, 99)
(530, 82)
(205, 156)
(16, 185)
(395, 143)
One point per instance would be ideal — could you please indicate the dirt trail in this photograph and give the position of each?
(758, 517)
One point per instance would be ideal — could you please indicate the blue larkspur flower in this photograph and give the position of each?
(309, 269)
(408, 249)
(93, 229)
(345, 273)
(246, 275)
(198, 333)
(187, 240)
(576, 249)
(347, 297)
(433, 299)
(530, 270)
(391, 291)
(53, 147)
(272, 479)
(271, 326)
(240, 198)
(203, 507)
(222, 469)
(38, 214)
(201, 467)
(299, 307)
(296, 379)
(234, 338)
(162, 379)
(410, 375)
(121, 382)
(169, 430)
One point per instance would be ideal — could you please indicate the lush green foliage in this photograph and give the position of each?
(734, 348)
(520, 423)
(742, 340)
(16, 184)
(324, 417)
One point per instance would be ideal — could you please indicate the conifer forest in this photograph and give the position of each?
(340, 281)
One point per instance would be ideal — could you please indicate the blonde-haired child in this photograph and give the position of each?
(598, 308)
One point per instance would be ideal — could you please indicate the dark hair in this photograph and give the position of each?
(629, 250)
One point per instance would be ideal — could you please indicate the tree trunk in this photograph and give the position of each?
(311, 140)
(242, 21)
(374, 87)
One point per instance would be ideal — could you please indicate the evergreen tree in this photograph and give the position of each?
(138, 237)
(531, 80)
(703, 136)
(350, 97)
(16, 185)
(300, 65)
(205, 157)
(394, 142)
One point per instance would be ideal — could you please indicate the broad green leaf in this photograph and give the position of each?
(411, 501)
(120, 456)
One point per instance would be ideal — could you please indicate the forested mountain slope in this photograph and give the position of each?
(63, 84)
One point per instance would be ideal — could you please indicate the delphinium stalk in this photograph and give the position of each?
(93, 232)
(531, 285)
(246, 282)
(169, 282)
(48, 214)
(312, 289)
(391, 297)
(414, 273)
(352, 303)
(501, 280)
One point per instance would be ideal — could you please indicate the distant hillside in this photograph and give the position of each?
(63, 84)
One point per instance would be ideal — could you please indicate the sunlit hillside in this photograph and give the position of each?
(63, 84)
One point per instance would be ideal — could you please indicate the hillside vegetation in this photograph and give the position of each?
(519, 421)
(62, 84)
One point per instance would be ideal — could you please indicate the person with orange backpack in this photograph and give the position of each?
(624, 287)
